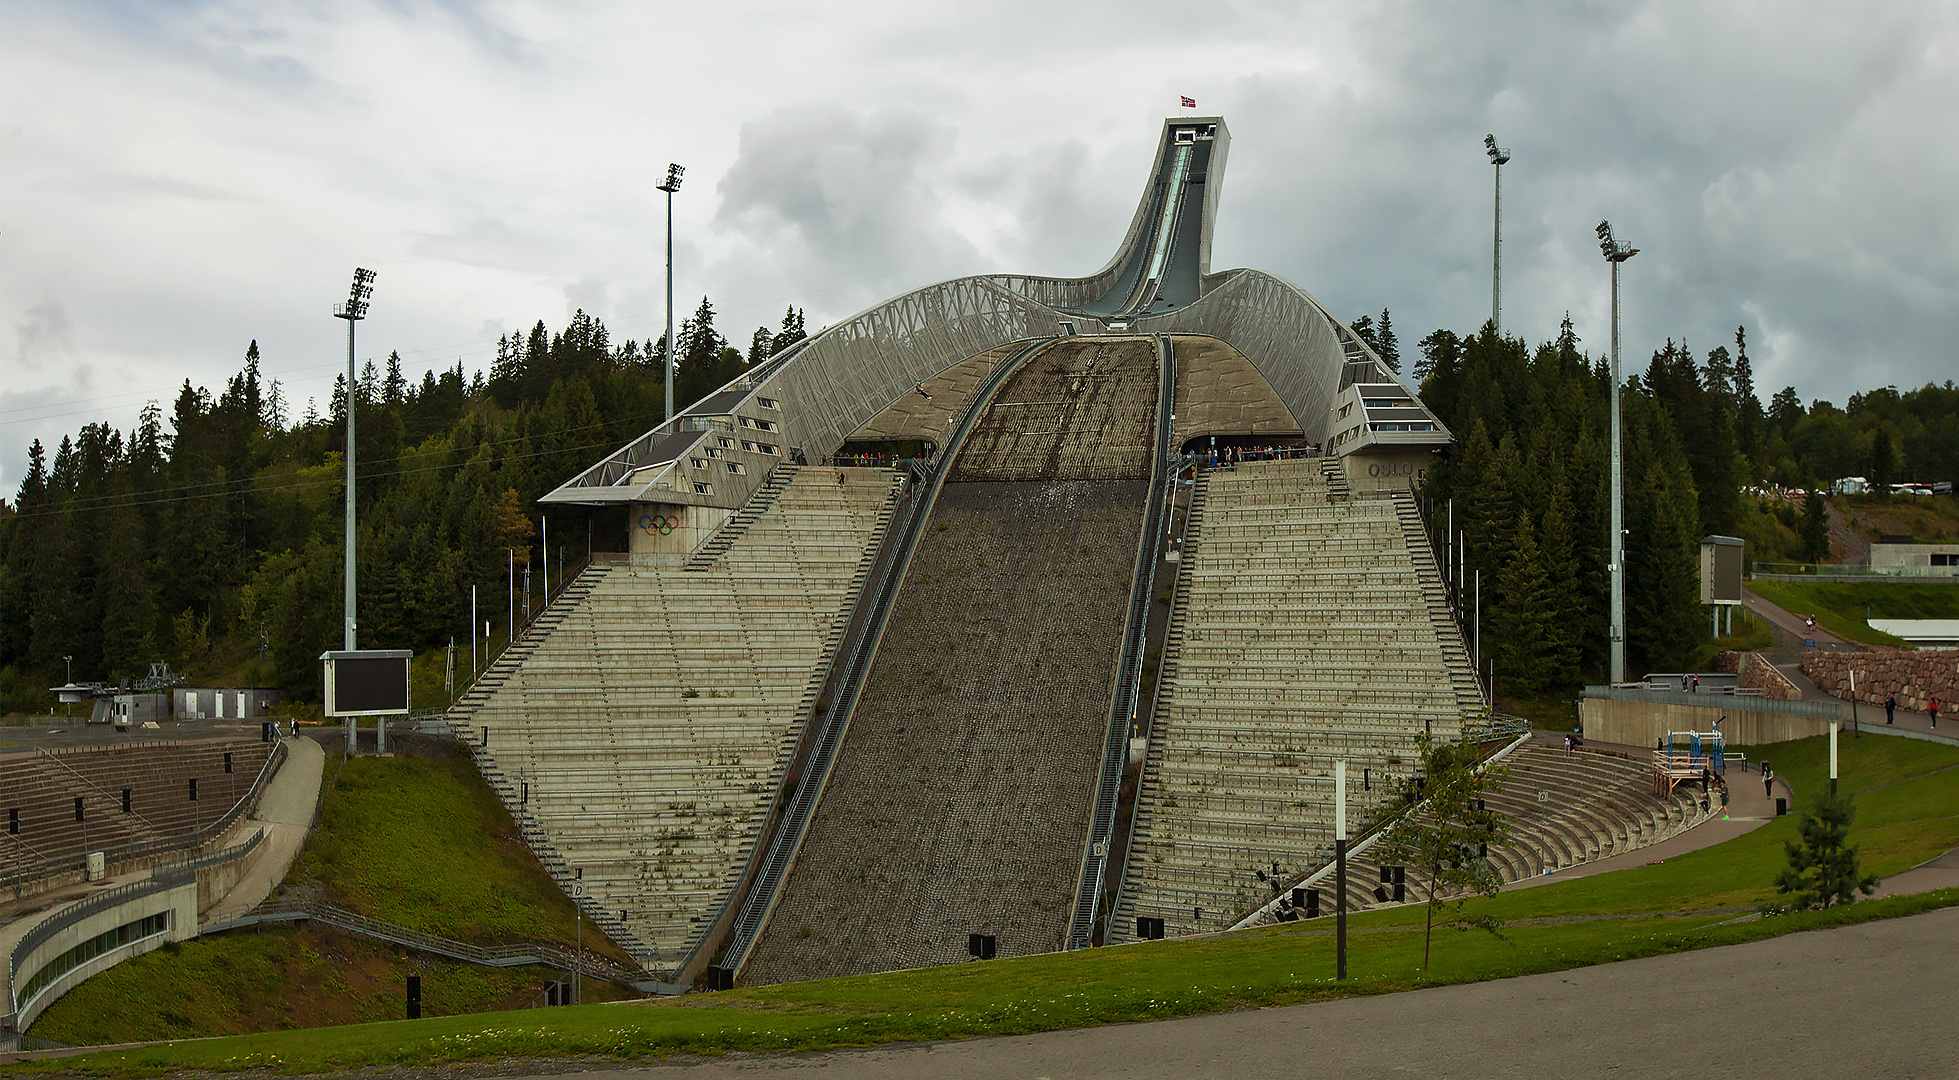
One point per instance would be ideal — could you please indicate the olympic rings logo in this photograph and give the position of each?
(658, 524)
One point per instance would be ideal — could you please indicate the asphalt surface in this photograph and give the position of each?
(1869, 1000)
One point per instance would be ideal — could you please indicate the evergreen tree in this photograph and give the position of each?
(791, 332)
(1441, 358)
(394, 388)
(1388, 346)
(1823, 870)
(1569, 614)
(1816, 528)
(1363, 329)
(1522, 622)
(1884, 465)
(1663, 616)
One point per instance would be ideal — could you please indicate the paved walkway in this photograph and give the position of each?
(1790, 633)
(1748, 809)
(1866, 1000)
(285, 812)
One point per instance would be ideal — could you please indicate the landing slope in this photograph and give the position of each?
(960, 801)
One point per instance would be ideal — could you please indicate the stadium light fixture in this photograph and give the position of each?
(1616, 252)
(674, 173)
(1499, 157)
(353, 311)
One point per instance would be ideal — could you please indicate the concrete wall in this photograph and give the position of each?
(1219, 392)
(180, 902)
(663, 532)
(1640, 723)
(1391, 470)
(1910, 554)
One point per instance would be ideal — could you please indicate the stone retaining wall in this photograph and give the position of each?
(1758, 674)
(1916, 676)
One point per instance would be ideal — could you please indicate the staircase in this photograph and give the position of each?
(739, 522)
(1462, 670)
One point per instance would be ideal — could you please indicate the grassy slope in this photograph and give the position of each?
(422, 841)
(1840, 606)
(1910, 792)
(417, 840)
(279, 980)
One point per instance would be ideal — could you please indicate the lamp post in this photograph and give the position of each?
(674, 173)
(1340, 869)
(1615, 253)
(1499, 157)
(353, 310)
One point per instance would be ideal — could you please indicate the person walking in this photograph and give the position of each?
(1567, 745)
(1890, 707)
(1768, 781)
(1933, 708)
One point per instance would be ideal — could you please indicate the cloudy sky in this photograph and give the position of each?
(179, 178)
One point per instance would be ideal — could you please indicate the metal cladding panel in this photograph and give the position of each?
(854, 370)
(1280, 329)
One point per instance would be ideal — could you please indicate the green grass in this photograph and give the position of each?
(1840, 605)
(1908, 794)
(423, 842)
(276, 980)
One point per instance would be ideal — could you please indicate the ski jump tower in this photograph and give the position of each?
(668, 734)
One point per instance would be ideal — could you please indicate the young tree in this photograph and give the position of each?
(1445, 838)
(1822, 869)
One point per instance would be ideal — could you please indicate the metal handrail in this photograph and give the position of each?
(1129, 676)
(297, 910)
(141, 848)
(100, 790)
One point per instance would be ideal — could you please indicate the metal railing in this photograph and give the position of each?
(159, 881)
(1129, 675)
(306, 910)
(59, 864)
(788, 838)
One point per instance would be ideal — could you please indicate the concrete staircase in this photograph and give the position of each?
(1304, 629)
(640, 730)
(1562, 810)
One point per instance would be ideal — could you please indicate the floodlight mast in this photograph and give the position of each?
(674, 173)
(1615, 253)
(354, 310)
(1499, 157)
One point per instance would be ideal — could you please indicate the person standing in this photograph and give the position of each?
(1933, 708)
(1890, 707)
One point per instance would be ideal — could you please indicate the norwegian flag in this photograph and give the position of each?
(1189, 102)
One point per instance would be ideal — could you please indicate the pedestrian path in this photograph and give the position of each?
(1749, 808)
(285, 812)
(1790, 633)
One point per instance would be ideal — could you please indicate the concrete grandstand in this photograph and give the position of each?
(824, 719)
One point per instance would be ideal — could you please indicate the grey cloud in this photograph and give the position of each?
(43, 335)
(821, 191)
(136, 185)
(587, 295)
